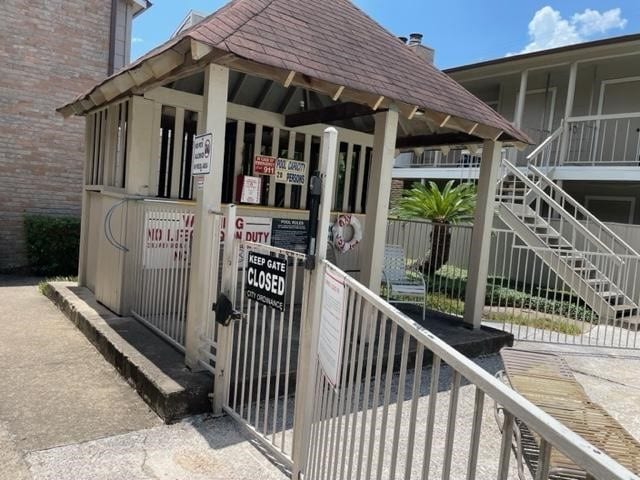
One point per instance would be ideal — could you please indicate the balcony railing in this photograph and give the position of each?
(604, 140)
(595, 140)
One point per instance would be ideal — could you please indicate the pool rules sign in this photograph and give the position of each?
(202, 150)
(266, 280)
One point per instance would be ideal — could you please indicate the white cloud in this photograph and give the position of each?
(137, 40)
(592, 22)
(548, 29)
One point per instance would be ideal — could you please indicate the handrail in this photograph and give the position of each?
(611, 116)
(558, 207)
(546, 141)
(585, 455)
(574, 203)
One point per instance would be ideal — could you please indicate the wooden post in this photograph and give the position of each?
(203, 281)
(139, 139)
(379, 192)
(481, 235)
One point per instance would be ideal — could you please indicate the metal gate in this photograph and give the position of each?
(263, 351)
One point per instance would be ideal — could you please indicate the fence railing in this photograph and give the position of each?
(601, 140)
(539, 295)
(407, 405)
(264, 360)
(440, 253)
(160, 266)
(524, 294)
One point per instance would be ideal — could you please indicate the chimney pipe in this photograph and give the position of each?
(415, 39)
(415, 44)
(403, 39)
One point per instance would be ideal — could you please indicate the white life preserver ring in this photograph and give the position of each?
(339, 241)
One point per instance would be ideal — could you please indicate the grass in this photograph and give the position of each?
(551, 324)
(43, 285)
(443, 303)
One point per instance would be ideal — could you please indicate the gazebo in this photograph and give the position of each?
(264, 78)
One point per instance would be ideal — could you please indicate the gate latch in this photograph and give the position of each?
(225, 311)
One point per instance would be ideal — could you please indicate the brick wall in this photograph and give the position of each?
(50, 51)
(397, 187)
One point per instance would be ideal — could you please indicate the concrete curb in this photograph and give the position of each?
(168, 398)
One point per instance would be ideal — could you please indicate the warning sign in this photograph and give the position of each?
(332, 327)
(264, 165)
(266, 280)
(202, 149)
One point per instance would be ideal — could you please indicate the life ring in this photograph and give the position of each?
(338, 231)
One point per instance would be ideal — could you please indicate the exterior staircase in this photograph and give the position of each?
(572, 242)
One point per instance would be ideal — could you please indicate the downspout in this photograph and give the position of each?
(112, 37)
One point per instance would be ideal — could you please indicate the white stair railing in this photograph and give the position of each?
(548, 153)
(584, 216)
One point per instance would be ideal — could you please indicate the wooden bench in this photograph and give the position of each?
(546, 380)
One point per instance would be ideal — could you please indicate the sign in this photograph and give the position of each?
(332, 327)
(291, 172)
(251, 229)
(266, 280)
(168, 238)
(289, 234)
(264, 165)
(251, 190)
(202, 150)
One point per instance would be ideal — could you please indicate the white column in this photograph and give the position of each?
(139, 139)
(481, 235)
(203, 281)
(568, 109)
(378, 194)
(522, 96)
(311, 322)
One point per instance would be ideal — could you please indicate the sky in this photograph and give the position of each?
(461, 31)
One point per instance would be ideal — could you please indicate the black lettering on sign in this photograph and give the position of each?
(266, 280)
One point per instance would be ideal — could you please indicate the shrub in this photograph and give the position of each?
(52, 244)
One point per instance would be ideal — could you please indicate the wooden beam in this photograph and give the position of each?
(237, 87)
(337, 94)
(289, 79)
(378, 102)
(286, 101)
(264, 93)
(341, 111)
(454, 138)
(199, 50)
(165, 62)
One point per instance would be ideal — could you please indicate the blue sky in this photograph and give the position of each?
(461, 31)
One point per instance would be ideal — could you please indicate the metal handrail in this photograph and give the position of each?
(546, 142)
(540, 192)
(584, 211)
(588, 457)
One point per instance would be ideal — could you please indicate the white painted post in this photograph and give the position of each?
(225, 334)
(568, 109)
(378, 195)
(481, 235)
(311, 322)
(84, 222)
(522, 97)
(203, 281)
(139, 139)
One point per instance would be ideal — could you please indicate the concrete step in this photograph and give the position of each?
(149, 364)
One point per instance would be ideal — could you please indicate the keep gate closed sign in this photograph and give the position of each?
(266, 280)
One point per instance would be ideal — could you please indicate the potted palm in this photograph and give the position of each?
(451, 205)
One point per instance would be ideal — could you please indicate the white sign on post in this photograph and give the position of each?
(202, 150)
(332, 327)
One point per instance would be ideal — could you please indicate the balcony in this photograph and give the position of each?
(577, 150)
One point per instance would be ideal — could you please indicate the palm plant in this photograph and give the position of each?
(452, 205)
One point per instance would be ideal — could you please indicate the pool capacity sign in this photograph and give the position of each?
(202, 149)
(266, 280)
(291, 172)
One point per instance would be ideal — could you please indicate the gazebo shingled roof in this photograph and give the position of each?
(333, 47)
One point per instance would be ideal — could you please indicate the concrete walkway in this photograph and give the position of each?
(65, 413)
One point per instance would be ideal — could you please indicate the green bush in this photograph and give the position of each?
(52, 244)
